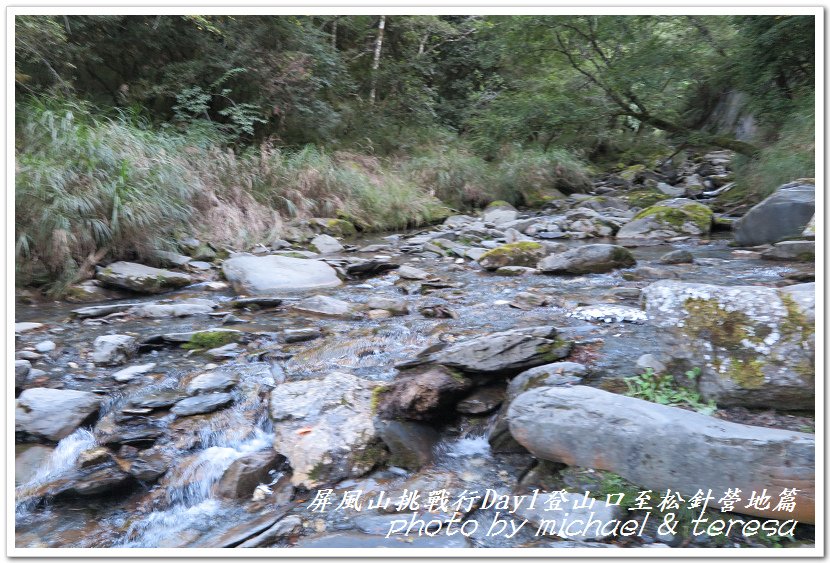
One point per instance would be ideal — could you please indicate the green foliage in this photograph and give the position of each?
(663, 390)
(790, 157)
(85, 184)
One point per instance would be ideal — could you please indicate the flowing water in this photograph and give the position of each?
(183, 509)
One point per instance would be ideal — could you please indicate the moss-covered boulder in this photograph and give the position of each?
(523, 253)
(539, 197)
(499, 212)
(588, 259)
(755, 345)
(631, 172)
(667, 219)
(644, 198)
(332, 226)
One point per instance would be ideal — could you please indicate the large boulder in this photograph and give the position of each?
(499, 212)
(113, 349)
(501, 353)
(754, 344)
(784, 214)
(588, 259)
(668, 219)
(421, 394)
(140, 278)
(549, 375)
(660, 447)
(270, 274)
(324, 428)
(524, 253)
(53, 413)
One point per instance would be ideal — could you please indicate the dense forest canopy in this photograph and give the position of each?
(463, 108)
(531, 79)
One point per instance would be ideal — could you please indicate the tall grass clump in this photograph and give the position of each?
(453, 175)
(527, 177)
(791, 156)
(89, 186)
(312, 182)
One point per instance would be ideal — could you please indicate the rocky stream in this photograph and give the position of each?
(207, 404)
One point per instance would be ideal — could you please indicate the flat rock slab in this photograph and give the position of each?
(662, 447)
(269, 274)
(53, 413)
(142, 279)
(504, 353)
(201, 404)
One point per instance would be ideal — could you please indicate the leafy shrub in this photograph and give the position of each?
(663, 389)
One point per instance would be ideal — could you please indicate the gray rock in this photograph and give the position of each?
(482, 401)
(182, 308)
(102, 310)
(588, 259)
(53, 413)
(456, 221)
(243, 475)
(421, 394)
(291, 335)
(142, 279)
(172, 259)
(499, 213)
(796, 250)
(269, 274)
(130, 373)
(45, 347)
(20, 328)
(324, 305)
(651, 445)
(231, 350)
(410, 443)
(324, 428)
(504, 353)
(549, 375)
(113, 349)
(784, 214)
(526, 300)
(648, 361)
(670, 190)
(150, 464)
(28, 459)
(261, 302)
(677, 257)
(754, 344)
(810, 230)
(326, 244)
(411, 273)
(21, 372)
(213, 381)
(201, 404)
(395, 306)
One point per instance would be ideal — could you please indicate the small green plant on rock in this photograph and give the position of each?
(662, 389)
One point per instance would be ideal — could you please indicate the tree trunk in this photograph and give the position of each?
(376, 60)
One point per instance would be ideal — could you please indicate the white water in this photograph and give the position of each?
(60, 461)
(192, 507)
